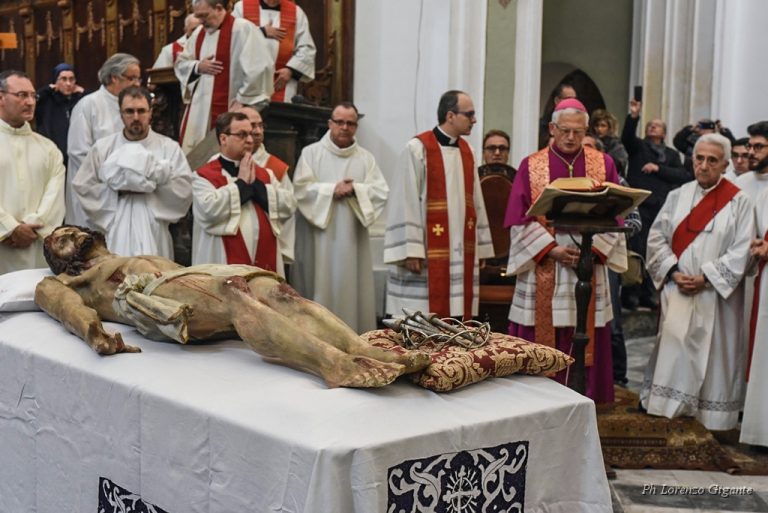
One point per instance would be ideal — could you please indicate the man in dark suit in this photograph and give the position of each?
(656, 167)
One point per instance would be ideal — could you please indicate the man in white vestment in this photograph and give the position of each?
(437, 227)
(170, 52)
(243, 211)
(225, 65)
(698, 250)
(340, 192)
(755, 181)
(31, 178)
(97, 115)
(754, 424)
(135, 183)
(290, 43)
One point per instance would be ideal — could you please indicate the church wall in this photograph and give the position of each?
(594, 36)
(500, 66)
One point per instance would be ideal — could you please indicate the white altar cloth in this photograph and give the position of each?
(212, 428)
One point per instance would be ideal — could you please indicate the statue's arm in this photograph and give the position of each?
(66, 306)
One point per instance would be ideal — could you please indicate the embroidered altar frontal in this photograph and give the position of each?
(212, 428)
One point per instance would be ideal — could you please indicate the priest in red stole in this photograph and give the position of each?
(543, 308)
(239, 207)
(225, 64)
(698, 251)
(437, 227)
(290, 44)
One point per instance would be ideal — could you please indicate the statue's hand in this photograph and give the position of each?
(111, 343)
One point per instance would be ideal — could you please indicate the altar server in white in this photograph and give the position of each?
(170, 52)
(225, 65)
(754, 424)
(134, 183)
(243, 212)
(289, 40)
(340, 192)
(698, 250)
(435, 236)
(31, 178)
(97, 115)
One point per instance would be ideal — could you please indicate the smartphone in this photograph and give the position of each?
(638, 95)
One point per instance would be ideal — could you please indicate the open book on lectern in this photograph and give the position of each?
(585, 197)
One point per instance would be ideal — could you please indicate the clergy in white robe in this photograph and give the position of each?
(233, 222)
(340, 192)
(135, 183)
(435, 235)
(754, 424)
(698, 251)
(289, 40)
(31, 178)
(225, 64)
(97, 115)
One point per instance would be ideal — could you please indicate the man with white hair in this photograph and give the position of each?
(170, 52)
(543, 308)
(94, 117)
(225, 65)
(698, 250)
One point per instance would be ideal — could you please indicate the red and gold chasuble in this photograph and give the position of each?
(234, 245)
(252, 12)
(220, 97)
(438, 237)
(538, 172)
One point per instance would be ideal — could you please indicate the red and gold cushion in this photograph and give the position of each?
(454, 367)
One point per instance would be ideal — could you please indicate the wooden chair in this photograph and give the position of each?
(496, 288)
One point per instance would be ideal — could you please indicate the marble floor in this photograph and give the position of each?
(669, 491)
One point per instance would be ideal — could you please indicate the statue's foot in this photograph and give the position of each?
(363, 372)
(413, 361)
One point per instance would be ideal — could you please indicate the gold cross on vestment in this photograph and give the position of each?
(471, 223)
(438, 229)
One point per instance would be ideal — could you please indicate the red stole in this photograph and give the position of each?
(438, 238)
(755, 310)
(220, 97)
(700, 216)
(278, 167)
(252, 12)
(234, 245)
(176, 49)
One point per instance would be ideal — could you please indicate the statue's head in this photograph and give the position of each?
(68, 248)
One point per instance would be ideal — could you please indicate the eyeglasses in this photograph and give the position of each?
(737, 156)
(341, 123)
(23, 95)
(469, 114)
(494, 149)
(242, 135)
(132, 112)
(756, 146)
(578, 132)
(136, 80)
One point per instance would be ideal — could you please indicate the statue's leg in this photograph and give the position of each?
(325, 325)
(280, 339)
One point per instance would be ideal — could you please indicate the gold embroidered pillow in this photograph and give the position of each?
(454, 367)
